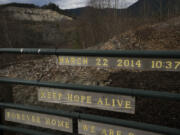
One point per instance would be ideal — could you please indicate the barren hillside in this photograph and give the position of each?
(34, 14)
(160, 36)
(28, 27)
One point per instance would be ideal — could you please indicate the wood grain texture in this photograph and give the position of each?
(39, 120)
(94, 128)
(111, 102)
(140, 64)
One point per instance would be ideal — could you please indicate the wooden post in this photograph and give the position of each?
(7, 97)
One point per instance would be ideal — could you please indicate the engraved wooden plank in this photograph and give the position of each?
(111, 102)
(39, 120)
(94, 128)
(142, 64)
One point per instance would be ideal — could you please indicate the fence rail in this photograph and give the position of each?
(124, 91)
(22, 130)
(108, 90)
(102, 53)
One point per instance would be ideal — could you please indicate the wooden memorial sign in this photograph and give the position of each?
(39, 120)
(111, 102)
(94, 128)
(142, 64)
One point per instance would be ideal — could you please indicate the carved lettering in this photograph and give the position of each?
(40, 120)
(142, 64)
(86, 128)
(118, 103)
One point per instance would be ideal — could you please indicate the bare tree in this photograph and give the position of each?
(6, 31)
(101, 21)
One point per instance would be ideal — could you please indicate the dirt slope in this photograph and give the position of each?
(161, 36)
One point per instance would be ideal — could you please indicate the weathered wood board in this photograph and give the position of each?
(142, 64)
(39, 120)
(111, 102)
(94, 128)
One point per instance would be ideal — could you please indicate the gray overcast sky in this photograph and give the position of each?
(66, 4)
